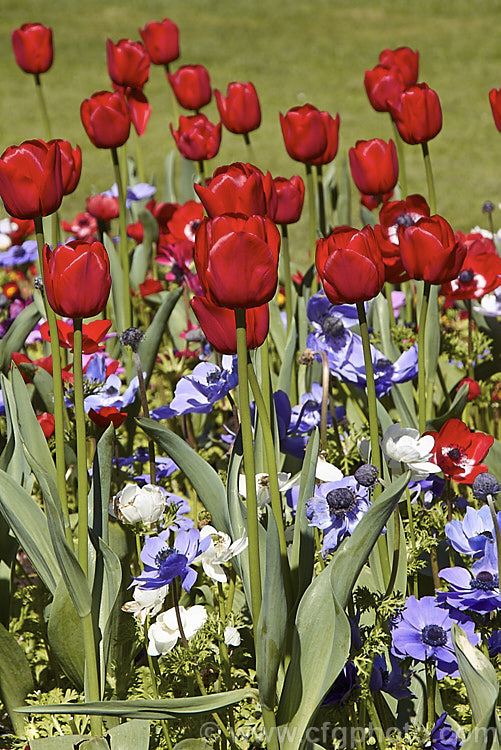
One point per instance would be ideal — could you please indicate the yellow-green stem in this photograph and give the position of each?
(43, 106)
(250, 471)
(123, 249)
(497, 534)
(92, 691)
(58, 392)
(321, 202)
(139, 159)
(402, 174)
(429, 179)
(81, 447)
(421, 357)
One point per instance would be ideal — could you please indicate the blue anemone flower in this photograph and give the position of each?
(163, 562)
(442, 737)
(16, 255)
(196, 393)
(471, 535)
(336, 508)
(477, 591)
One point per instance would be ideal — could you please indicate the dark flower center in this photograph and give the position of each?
(455, 454)
(465, 276)
(18, 252)
(310, 405)
(487, 534)
(484, 581)
(341, 501)
(164, 554)
(405, 220)
(434, 635)
(383, 366)
(332, 326)
(213, 377)
(367, 475)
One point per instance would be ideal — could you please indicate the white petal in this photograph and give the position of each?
(195, 618)
(327, 472)
(231, 636)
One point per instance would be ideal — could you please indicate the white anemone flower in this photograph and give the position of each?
(164, 633)
(404, 445)
(146, 602)
(136, 504)
(327, 472)
(220, 550)
(263, 486)
(232, 636)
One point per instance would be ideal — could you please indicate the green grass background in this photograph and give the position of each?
(294, 52)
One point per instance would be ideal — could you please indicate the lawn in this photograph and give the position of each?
(298, 52)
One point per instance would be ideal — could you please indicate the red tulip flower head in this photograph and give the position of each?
(350, 264)
(108, 415)
(459, 451)
(33, 50)
(219, 327)
(383, 85)
(71, 164)
(128, 63)
(331, 125)
(237, 260)
(239, 110)
(304, 133)
(197, 138)
(106, 119)
(495, 100)
(77, 278)
(429, 250)
(374, 166)
(405, 60)
(191, 86)
(161, 39)
(418, 114)
(393, 215)
(47, 423)
(103, 207)
(290, 199)
(31, 180)
(474, 389)
(238, 189)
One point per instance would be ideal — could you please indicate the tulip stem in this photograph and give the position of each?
(421, 357)
(429, 179)
(124, 255)
(250, 149)
(146, 413)
(321, 202)
(402, 174)
(311, 208)
(271, 465)
(81, 447)
(371, 388)
(139, 159)
(43, 106)
(497, 533)
(92, 691)
(57, 385)
(286, 261)
(201, 171)
(250, 471)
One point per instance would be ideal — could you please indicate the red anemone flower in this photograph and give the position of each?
(459, 451)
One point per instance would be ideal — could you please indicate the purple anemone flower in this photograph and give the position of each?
(424, 633)
(343, 686)
(307, 415)
(336, 508)
(198, 392)
(16, 255)
(494, 643)
(477, 591)
(164, 562)
(442, 737)
(138, 192)
(345, 351)
(393, 682)
(471, 535)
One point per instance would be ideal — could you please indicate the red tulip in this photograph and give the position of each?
(417, 115)
(161, 40)
(108, 415)
(237, 260)
(239, 110)
(495, 100)
(128, 63)
(383, 85)
(139, 109)
(459, 452)
(106, 119)
(103, 207)
(350, 265)
(46, 422)
(238, 188)
(33, 49)
(31, 181)
(71, 164)
(374, 166)
(392, 215)
(219, 327)
(304, 133)
(405, 60)
(429, 250)
(480, 272)
(331, 125)
(191, 86)
(197, 138)
(290, 198)
(474, 389)
(77, 278)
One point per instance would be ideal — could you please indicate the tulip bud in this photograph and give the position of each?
(128, 63)
(106, 119)
(31, 180)
(191, 86)
(429, 250)
(417, 115)
(161, 41)
(197, 138)
(218, 325)
(239, 111)
(33, 50)
(304, 133)
(238, 189)
(374, 166)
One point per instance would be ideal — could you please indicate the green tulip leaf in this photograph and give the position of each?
(455, 410)
(132, 735)
(141, 258)
(16, 681)
(284, 378)
(303, 542)
(64, 631)
(148, 348)
(116, 284)
(16, 335)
